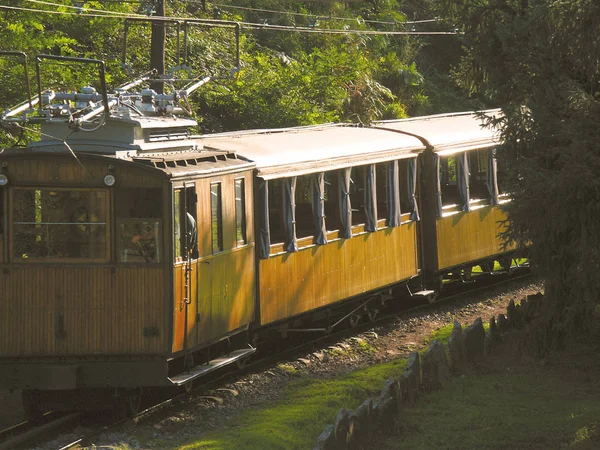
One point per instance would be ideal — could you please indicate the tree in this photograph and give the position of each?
(538, 59)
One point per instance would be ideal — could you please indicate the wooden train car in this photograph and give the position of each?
(336, 214)
(121, 260)
(462, 215)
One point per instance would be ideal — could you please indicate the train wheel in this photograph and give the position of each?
(354, 320)
(133, 399)
(373, 313)
(31, 405)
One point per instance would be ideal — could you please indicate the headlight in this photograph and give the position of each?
(109, 180)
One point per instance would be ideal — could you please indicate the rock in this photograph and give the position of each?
(511, 313)
(326, 440)
(340, 428)
(489, 343)
(353, 433)
(434, 366)
(475, 341)
(366, 419)
(502, 323)
(493, 330)
(456, 349)
(410, 382)
(305, 361)
(384, 409)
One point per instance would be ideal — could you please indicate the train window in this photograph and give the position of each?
(448, 184)
(478, 181)
(331, 199)
(305, 225)
(276, 228)
(357, 195)
(139, 225)
(405, 187)
(60, 224)
(184, 224)
(240, 212)
(383, 194)
(216, 224)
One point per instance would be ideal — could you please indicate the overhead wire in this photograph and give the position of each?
(352, 19)
(248, 25)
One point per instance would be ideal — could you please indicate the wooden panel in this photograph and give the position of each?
(294, 283)
(469, 236)
(64, 169)
(103, 311)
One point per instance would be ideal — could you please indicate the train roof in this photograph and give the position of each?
(299, 151)
(449, 133)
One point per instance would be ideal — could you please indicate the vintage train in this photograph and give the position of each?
(134, 254)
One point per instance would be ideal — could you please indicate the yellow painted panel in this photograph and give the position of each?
(294, 283)
(469, 236)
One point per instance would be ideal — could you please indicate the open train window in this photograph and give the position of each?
(305, 225)
(60, 224)
(478, 167)
(332, 201)
(216, 223)
(276, 227)
(448, 181)
(357, 195)
(382, 183)
(240, 212)
(139, 225)
(405, 186)
(184, 224)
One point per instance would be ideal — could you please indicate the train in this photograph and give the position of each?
(135, 254)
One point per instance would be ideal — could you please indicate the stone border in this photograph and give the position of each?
(426, 373)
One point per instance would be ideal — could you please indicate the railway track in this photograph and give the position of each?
(27, 433)
(263, 361)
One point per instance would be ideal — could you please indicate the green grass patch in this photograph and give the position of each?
(298, 417)
(534, 409)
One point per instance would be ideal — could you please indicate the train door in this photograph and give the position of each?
(186, 261)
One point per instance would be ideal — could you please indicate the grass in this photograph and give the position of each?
(529, 406)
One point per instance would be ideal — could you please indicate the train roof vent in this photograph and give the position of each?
(168, 134)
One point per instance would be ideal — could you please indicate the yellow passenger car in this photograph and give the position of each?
(461, 204)
(336, 219)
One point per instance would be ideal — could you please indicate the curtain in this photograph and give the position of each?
(412, 189)
(492, 176)
(345, 207)
(393, 194)
(438, 187)
(264, 236)
(318, 204)
(462, 179)
(289, 214)
(370, 199)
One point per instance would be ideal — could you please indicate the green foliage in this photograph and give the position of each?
(538, 59)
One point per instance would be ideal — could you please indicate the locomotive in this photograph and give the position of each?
(135, 254)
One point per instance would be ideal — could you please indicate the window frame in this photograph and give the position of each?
(240, 216)
(107, 224)
(219, 213)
